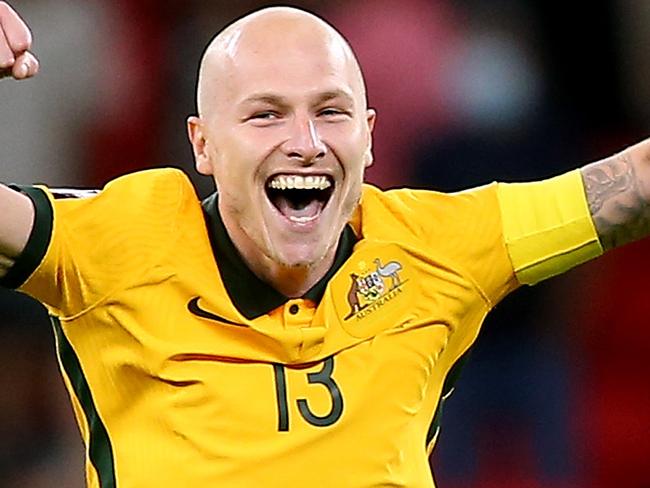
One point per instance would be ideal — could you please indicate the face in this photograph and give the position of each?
(287, 137)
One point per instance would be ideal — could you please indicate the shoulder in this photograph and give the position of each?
(421, 212)
(457, 231)
(86, 244)
(167, 183)
(140, 195)
(409, 199)
(142, 208)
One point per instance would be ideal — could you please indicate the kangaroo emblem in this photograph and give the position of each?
(369, 291)
(353, 298)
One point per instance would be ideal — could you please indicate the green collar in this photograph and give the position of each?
(250, 295)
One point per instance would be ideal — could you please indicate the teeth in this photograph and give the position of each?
(284, 182)
(302, 220)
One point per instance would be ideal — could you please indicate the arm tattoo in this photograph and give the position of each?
(619, 210)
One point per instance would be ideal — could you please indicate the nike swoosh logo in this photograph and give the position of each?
(193, 307)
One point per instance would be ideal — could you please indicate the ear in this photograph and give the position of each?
(371, 117)
(199, 143)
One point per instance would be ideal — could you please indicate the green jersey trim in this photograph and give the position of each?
(250, 295)
(38, 242)
(447, 390)
(100, 450)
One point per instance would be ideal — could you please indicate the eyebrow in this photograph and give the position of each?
(269, 98)
(332, 94)
(274, 99)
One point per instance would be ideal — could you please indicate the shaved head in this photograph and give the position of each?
(285, 131)
(269, 34)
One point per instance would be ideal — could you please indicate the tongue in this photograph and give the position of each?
(306, 212)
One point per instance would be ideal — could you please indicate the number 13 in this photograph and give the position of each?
(323, 377)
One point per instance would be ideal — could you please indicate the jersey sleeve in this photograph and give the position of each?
(547, 226)
(462, 230)
(500, 235)
(83, 247)
(473, 238)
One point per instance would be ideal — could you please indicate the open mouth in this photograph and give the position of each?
(300, 199)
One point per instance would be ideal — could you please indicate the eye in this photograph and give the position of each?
(266, 115)
(332, 112)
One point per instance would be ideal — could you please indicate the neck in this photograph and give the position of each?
(291, 281)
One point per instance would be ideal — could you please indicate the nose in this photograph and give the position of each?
(304, 143)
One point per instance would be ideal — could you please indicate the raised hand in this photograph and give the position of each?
(15, 43)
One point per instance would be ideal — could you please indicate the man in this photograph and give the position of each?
(297, 328)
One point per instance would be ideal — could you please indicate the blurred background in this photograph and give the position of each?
(468, 91)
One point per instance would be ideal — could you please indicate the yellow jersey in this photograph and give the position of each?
(184, 369)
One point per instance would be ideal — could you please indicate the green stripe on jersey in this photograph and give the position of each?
(447, 389)
(99, 445)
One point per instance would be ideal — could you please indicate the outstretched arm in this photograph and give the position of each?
(618, 193)
(16, 220)
(16, 210)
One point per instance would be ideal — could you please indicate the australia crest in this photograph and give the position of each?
(372, 287)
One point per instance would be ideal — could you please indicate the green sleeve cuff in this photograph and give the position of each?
(39, 239)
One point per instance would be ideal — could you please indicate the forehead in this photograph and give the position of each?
(294, 64)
